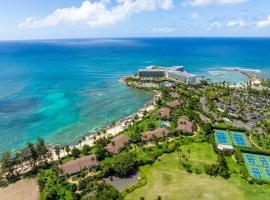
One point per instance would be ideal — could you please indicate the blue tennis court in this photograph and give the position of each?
(264, 161)
(267, 171)
(256, 172)
(250, 159)
(222, 138)
(240, 139)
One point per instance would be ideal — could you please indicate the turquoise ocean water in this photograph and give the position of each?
(63, 89)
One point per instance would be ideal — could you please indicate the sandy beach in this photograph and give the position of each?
(112, 130)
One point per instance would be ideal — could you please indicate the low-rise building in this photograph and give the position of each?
(158, 133)
(75, 166)
(184, 125)
(117, 144)
(164, 113)
(174, 104)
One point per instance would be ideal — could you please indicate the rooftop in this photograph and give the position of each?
(75, 166)
(165, 112)
(159, 133)
(117, 143)
(184, 124)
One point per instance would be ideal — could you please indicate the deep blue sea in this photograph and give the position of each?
(64, 89)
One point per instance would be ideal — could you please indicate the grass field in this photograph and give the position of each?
(166, 179)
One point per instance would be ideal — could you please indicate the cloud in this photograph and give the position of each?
(264, 23)
(162, 29)
(213, 2)
(194, 16)
(97, 13)
(236, 24)
(215, 24)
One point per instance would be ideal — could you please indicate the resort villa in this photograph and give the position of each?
(184, 125)
(174, 104)
(75, 166)
(117, 143)
(174, 73)
(164, 113)
(158, 133)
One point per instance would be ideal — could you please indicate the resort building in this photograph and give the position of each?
(151, 73)
(164, 113)
(75, 166)
(184, 125)
(225, 147)
(117, 144)
(175, 95)
(174, 104)
(175, 73)
(158, 133)
(182, 76)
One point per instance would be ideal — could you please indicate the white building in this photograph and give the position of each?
(182, 76)
(174, 72)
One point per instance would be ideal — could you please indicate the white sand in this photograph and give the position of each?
(112, 130)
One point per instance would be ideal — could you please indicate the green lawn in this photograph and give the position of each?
(166, 179)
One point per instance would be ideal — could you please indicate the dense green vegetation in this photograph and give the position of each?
(168, 179)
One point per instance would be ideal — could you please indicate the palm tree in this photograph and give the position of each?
(189, 153)
(33, 153)
(67, 148)
(113, 124)
(113, 144)
(57, 151)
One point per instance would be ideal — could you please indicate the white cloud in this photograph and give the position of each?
(236, 24)
(213, 2)
(264, 23)
(97, 13)
(194, 16)
(162, 29)
(215, 25)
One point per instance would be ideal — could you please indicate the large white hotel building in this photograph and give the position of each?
(175, 72)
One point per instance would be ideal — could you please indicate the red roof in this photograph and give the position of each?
(75, 166)
(165, 112)
(174, 103)
(117, 143)
(174, 94)
(184, 124)
(159, 133)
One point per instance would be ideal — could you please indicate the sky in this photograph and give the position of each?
(51, 19)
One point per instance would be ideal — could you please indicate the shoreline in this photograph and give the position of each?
(109, 130)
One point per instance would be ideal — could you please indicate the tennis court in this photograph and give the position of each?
(222, 137)
(258, 165)
(240, 139)
(256, 172)
(250, 159)
(267, 171)
(264, 161)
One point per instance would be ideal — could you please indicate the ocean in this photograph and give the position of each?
(63, 89)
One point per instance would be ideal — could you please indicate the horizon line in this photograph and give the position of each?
(140, 37)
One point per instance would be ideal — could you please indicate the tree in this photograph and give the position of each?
(124, 163)
(106, 192)
(57, 151)
(86, 149)
(52, 186)
(7, 164)
(67, 149)
(41, 148)
(101, 153)
(33, 153)
(75, 152)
